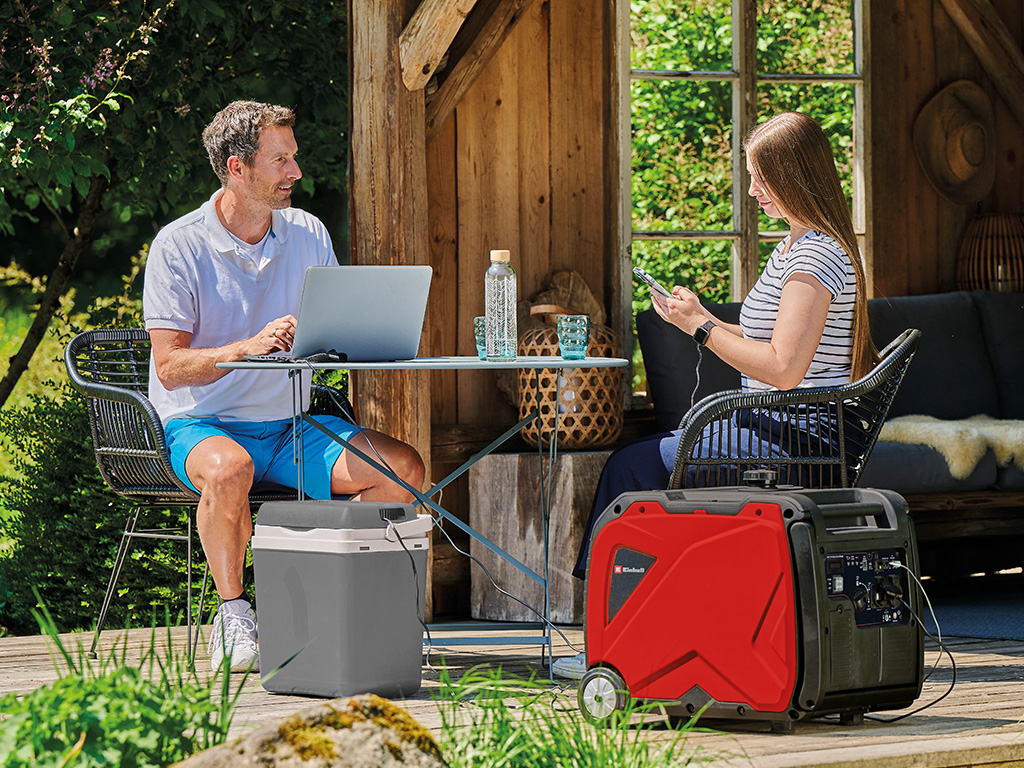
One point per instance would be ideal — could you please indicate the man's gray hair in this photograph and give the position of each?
(235, 130)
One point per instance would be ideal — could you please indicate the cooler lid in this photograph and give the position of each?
(333, 514)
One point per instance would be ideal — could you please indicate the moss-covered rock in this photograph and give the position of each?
(362, 732)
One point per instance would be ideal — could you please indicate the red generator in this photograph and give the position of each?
(751, 603)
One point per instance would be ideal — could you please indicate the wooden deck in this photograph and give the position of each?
(979, 724)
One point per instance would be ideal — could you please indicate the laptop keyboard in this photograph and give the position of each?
(268, 359)
(318, 357)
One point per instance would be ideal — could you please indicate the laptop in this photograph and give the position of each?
(359, 313)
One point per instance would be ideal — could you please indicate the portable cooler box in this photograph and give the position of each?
(340, 600)
(756, 603)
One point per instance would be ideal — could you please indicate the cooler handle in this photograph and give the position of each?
(419, 526)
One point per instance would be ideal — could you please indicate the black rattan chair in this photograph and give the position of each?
(111, 368)
(816, 438)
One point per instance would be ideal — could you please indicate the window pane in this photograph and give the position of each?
(681, 164)
(703, 266)
(798, 37)
(832, 106)
(765, 247)
(667, 34)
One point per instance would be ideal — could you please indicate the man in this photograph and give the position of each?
(223, 282)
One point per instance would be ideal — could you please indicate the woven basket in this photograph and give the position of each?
(992, 253)
(589, 400)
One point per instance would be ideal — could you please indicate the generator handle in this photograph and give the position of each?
(855, 510)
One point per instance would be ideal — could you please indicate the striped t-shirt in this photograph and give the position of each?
(820, 256)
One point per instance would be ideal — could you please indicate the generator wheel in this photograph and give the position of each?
(602, 692)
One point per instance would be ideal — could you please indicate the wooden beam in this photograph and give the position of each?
(388, 201)
(501, 20)
(427, 36)
(1000, 55)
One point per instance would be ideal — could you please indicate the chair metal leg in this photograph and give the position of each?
(199, 611)
(188, 592)
(122, 554)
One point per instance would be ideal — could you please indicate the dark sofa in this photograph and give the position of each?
(970, 362)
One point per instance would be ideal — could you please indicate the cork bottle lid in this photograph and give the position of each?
(499, 255)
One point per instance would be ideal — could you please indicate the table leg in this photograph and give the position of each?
(298, 449)
(545, 504)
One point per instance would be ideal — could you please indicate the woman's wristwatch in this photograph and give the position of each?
(702, 334)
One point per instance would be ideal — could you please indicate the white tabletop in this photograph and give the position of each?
(437, 363)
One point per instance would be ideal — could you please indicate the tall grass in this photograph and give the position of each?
(113, 711)
(491, 720)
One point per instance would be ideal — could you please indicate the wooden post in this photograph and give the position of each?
(388, 201)
(746, 251)
(505, 507)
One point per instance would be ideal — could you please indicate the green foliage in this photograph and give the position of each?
(492, 720)
(113, 712)
(117, 94)
(19, 298)
(797, 36)
(67, 525)
(60, 525)
(682, 156)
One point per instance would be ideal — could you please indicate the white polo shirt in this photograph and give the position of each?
(200, 280)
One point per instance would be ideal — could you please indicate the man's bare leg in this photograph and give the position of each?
(223, 472)
(352, 475)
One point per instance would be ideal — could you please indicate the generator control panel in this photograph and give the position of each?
(873, 582)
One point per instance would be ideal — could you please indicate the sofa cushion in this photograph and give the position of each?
(951, 376)
(1009, 478)
(909, 468)
(1002, 322)
(670, 359)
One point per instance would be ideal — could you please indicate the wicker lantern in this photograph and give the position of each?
(992, 253)
(589, 402)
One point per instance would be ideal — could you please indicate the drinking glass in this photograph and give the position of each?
(480, 336)
(573, 335)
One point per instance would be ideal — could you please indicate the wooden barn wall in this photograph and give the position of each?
(916, 50)
(519, 165)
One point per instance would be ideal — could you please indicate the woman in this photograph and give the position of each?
(803, 324)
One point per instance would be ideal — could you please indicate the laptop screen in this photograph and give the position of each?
(362, 313)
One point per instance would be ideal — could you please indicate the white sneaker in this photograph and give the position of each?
(570, 667)
(234, 632)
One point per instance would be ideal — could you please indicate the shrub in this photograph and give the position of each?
(111, 712)
(67, 525)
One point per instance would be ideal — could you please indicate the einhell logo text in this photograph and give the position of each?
(628, 569)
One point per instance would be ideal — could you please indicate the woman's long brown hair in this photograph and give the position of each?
(792, 157)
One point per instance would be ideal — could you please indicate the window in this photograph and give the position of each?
(702, 73)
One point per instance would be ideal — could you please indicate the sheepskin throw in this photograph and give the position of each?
(963, 442)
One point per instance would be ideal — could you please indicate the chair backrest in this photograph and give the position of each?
(111, 368)
(816, 437)
(866, 402)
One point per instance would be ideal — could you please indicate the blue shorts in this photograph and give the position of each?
(269, 443)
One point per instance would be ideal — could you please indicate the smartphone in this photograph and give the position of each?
(644, 275)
